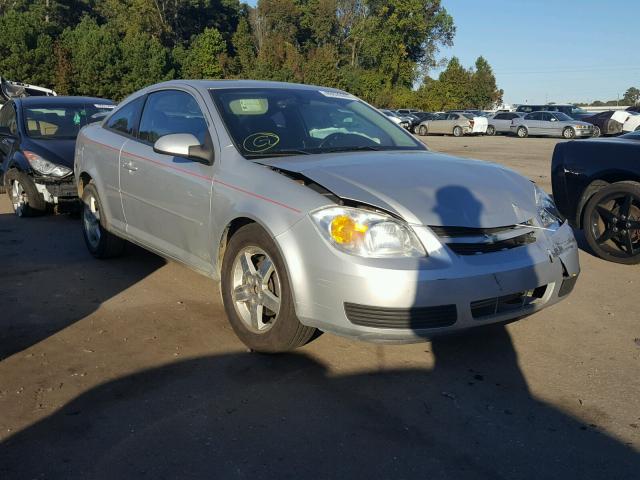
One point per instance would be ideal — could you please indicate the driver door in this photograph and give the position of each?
(166, 199)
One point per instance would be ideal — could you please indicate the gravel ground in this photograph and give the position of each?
(128, 369)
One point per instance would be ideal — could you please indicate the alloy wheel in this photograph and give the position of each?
(256, 290)
(615, 224)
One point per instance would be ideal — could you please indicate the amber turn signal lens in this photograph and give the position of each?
(344, 230)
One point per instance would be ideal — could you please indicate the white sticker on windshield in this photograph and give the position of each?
(97, 105)
(337, 94)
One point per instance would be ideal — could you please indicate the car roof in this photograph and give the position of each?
(212, 84)
(60, 100)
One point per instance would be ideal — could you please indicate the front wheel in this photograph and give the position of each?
(257, 294)
(522, 132)
(568, 133)
(611, 223)
(491, 130)
(25, 198)
(422, 130)
(458, 132)
(100, 242)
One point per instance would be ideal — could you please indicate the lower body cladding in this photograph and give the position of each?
(409, 299)
(61, 194)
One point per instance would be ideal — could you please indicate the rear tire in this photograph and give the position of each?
(254, 277)
(458, 132)
(491, 130)
(100, 242)
(23, 194)
(596, 131)
(422, 130)
(522, 132)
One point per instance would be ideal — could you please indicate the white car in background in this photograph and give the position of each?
(632, 123)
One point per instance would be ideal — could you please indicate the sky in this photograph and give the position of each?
(550, 50)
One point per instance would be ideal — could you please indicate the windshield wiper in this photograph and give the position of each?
(277, 153)
(351, 149)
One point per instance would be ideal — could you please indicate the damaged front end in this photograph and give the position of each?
(61, 193)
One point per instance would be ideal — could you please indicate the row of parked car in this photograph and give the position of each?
(555, 120)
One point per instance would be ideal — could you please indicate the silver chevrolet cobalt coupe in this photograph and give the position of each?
(317, 213)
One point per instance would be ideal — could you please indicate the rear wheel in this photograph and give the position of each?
(568, 133)
(257, 294)
(25, 198)
(100, 242)
(457, 131)
(491, 130)
(596, 131)
(612, 223)
(422, 130)
(522, 132)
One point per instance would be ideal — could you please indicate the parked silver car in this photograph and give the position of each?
(501, 122)
(317, 212)
(550, 124)
(456, 124)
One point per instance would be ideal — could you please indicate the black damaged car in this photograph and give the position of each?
(37, 143)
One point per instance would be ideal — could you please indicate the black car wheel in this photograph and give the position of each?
(596, 131)
(257, 296)
(25, 198)
(422, 130)
(491, 130)
(612, 223)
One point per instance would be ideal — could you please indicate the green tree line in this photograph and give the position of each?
(378, 50)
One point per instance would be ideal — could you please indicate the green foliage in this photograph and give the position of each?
(631, 96)
(202, 58)
(379, 50)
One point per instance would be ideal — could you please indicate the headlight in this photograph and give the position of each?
(548, 214)
(45, 167)
(367, 234)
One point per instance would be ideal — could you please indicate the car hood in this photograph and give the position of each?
(422, 187)
(58, 151)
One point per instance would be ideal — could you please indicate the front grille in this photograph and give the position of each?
(508, 303)
(489, 247)
(414, 318)
(474, 241)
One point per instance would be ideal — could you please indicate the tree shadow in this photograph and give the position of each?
(49, 280)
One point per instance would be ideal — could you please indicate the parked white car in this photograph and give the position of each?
(632, 123)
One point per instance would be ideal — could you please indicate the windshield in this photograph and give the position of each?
(563, 117)
(578, 111)
(276, 121)
(61, 122)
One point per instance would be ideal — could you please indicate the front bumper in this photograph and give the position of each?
(584, 132)
(412, 299)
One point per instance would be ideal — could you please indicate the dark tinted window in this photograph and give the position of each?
(8, 118)
(50, 121)
(532, 116)
(126, 118)
(546, 116)
(502, 116)
(171, 111)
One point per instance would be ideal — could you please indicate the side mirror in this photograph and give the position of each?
(185, 145)
(554, 119)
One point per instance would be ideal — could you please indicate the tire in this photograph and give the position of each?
(522, 132)
(457, 131)
(23, 194)
(569, 133)
(611, 229)
(245, 289)
(596, 131)
(422, 130)
(100, 242)
(491, 130)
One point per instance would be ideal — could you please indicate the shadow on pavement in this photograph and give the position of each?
(48, 279)
(255, 416)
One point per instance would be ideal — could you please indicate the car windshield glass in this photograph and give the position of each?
(578, 110)
(563, 117)
(468, 115)
(277, 121)
(61, 122)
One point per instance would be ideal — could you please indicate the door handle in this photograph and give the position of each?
(129, 166)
